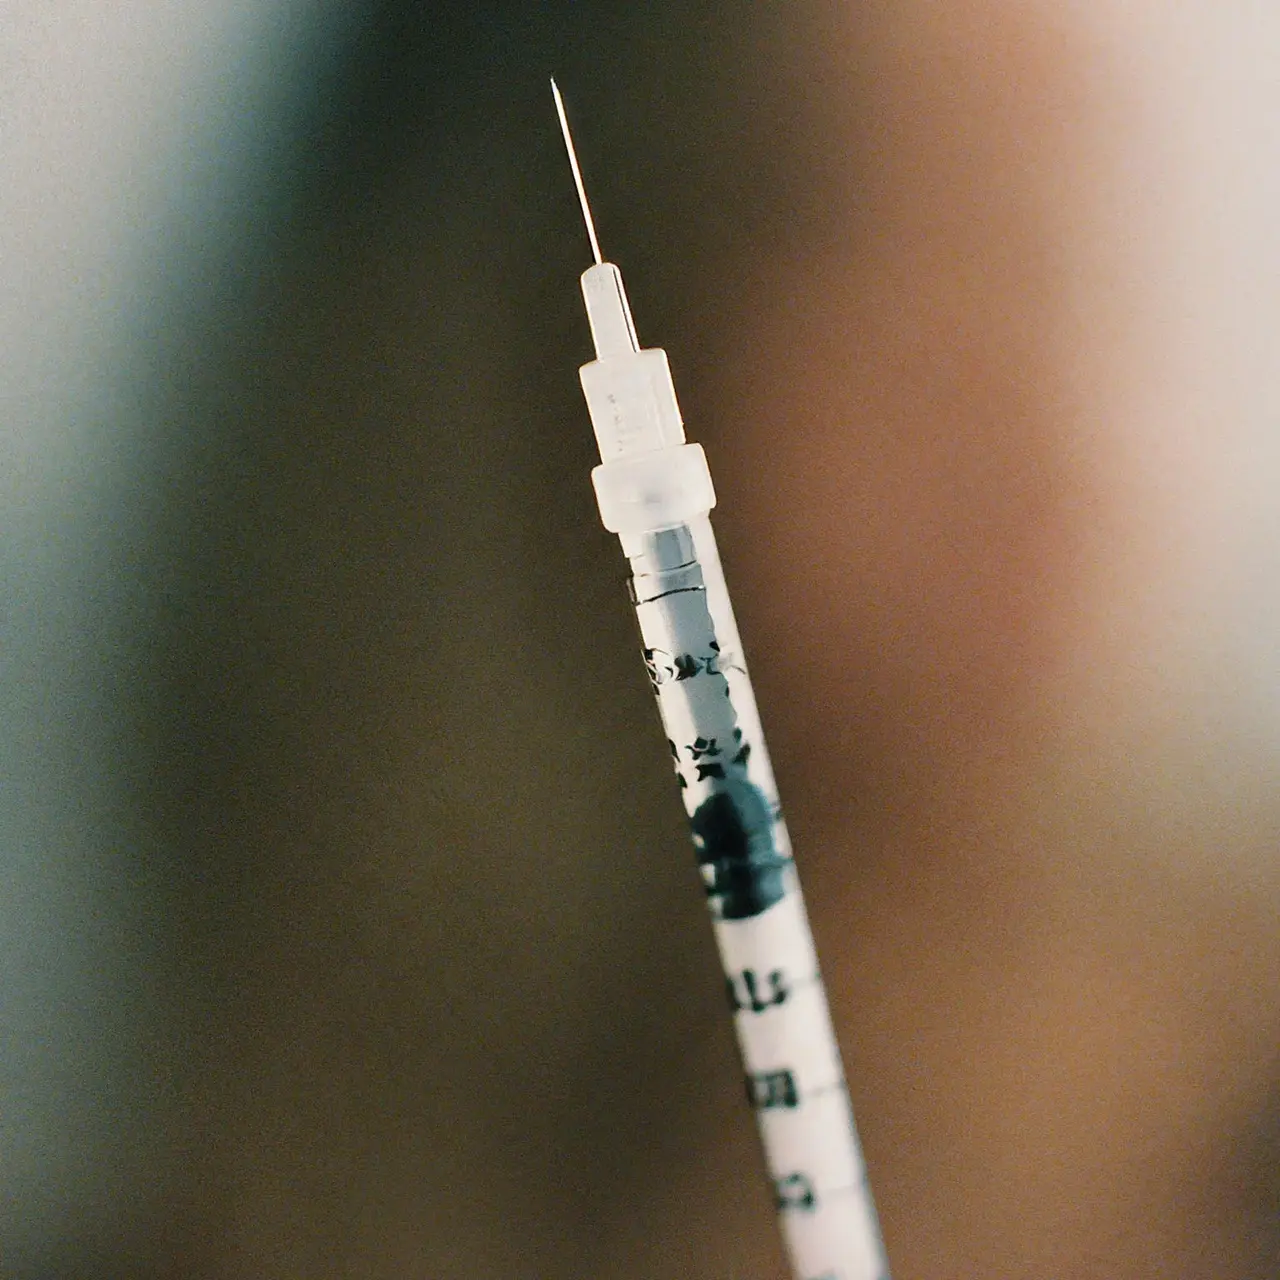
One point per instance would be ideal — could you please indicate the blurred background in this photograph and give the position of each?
(348, 921)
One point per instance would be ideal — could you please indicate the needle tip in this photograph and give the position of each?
(577, 173)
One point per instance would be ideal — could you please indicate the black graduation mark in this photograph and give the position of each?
(795, 1191)
(767, 1090)
(687, 666)
(656, 664)
(705, 753)
(664, 667)
(675, 764)
(745, 993)
(741, 866)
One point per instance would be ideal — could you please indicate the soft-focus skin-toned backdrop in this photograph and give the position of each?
(351, 925)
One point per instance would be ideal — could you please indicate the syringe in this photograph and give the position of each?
(654, 491)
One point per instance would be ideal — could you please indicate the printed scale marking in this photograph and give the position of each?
(793, 1076)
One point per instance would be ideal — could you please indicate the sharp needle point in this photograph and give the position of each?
(577, 173)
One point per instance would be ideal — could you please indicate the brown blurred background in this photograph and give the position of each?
(353, 929)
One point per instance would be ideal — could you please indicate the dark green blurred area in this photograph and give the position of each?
(397, 961)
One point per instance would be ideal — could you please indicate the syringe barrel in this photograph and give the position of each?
(791, 1059)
